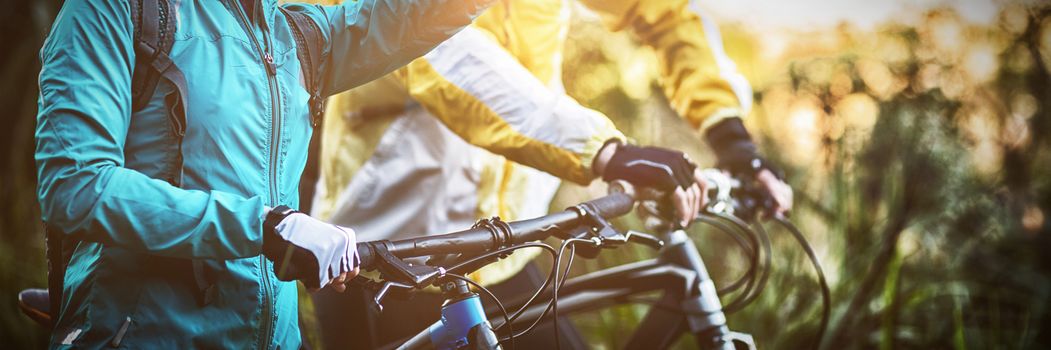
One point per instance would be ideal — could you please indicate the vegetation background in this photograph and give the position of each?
(919, 146)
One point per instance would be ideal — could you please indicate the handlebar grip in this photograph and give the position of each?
(366, 255)
(613, 205)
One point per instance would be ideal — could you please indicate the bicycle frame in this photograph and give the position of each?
(463, 323)
(689, 303)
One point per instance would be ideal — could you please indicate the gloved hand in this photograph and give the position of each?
(310, 250)
(737, 154)
(666, 170)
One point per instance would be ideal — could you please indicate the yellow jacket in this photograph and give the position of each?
(397, 159)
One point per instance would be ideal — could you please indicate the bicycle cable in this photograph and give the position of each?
(498, 252)
(558, 285)
(754, 270)
(551, 305)
(750, 250)
(826, 294)
(751, 292)
(547, 282)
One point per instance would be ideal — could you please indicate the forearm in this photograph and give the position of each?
(484, 95)
(125, 208)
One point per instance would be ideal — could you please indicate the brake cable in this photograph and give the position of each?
(751, 250)
(752, 292)
(826, 294)
(508, 320)
(553, 305)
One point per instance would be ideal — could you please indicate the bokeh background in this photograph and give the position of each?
(916, 134)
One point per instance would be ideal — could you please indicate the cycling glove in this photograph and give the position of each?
(658, 168)
(735, 151)
(307, 249)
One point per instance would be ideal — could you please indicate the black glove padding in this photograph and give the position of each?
(653, 167)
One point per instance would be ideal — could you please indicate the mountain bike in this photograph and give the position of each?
(689, 302)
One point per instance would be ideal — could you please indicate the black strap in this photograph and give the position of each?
(154, 37)
(153, 62)
(309, 50)
(57, 260)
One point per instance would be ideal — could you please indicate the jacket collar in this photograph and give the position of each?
(268, 8)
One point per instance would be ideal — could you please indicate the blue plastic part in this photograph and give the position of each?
(457, 319)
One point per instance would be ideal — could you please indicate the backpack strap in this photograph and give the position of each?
(309, 51)
(155, 36)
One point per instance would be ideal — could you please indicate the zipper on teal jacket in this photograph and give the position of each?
(267, 58)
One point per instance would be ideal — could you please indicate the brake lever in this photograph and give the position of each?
(741, 341)
(393, 268)
(645, 239)
(596, 229)
(379, 289)
(722, 202)
(397, 273)
(385, 288)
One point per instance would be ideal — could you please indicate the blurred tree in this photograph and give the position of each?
(24, 24)
(921, 161)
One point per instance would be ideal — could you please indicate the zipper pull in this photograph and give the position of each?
(270, 66)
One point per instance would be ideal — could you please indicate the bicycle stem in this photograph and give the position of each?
(462, 325)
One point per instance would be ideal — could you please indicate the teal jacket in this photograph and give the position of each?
(102, 168)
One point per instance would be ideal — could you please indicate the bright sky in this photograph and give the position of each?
(806, 14)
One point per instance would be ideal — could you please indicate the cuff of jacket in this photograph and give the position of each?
(734, 149)
(591, 149)
(719, 116)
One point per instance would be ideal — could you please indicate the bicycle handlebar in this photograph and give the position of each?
(483, 238)
(490, 235)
